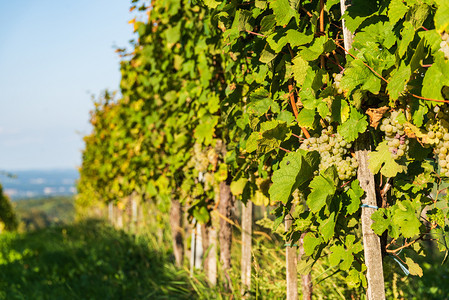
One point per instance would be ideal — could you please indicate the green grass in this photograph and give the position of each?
(88, 260)
(92, 260)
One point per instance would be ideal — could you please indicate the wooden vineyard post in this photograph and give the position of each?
(212, 254)
(247, 222)
(134, 212)
(225, 234)
(199, 246)
(177, 232)
(306, 279)
(371, 242)
(205, 245)
(291, 261)
(111, 213)
(119, 218)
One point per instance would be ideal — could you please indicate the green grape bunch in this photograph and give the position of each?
(200, 158)
(334, 151)
(336, 84)
(398, 142)
(438, 136)
(444, 45)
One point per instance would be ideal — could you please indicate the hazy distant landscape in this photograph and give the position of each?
(40, 183)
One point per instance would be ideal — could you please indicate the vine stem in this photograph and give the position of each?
(286, 150)
(309, 14)
(295, 110)
(297, 136)
(255, 33)
(293, 100)
(394, 251)
(323, 64)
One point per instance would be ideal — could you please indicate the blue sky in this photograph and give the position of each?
(54, 55)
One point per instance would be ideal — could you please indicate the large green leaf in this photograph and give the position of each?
(356, 124)
(322, 189)
(283, 11)
(398, 81)
(396, 10)
(294, 170)
(359, 76)
(355, 194)
(441, 16)
(273, 133)
(436, 77)
(204, 132)
(405, 217)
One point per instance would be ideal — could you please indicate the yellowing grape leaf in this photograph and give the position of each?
(381, 160)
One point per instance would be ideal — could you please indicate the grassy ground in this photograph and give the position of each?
(92, 260)
(89, 260)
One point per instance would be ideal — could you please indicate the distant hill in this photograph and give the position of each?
(40, 183)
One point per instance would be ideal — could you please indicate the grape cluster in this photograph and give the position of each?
(444, 45)
(200, 158)
(334, 151)
(296, 195)
(438, 136)
(336, 84)
(398, 143)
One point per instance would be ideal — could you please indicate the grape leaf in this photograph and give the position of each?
(294, 170)
(283, 11)
(407, 34)
(344, 252)
(355, 193)
(310, 243)
(359, 76)
(398, 81)
(340, 257)
(435, 78)
(238, 186)
(306, 117)
(432, 40)
(211, 3)
(381, 160)
(260, 103)
(280, 38)
(267, 54)
(396, 10)
(413, 267)
(358, 12)
(205, 130)
(300, 67)
(417, 14)
(317, 48)
(380, 224)
(251, 142)
(322, 189)
(441, 19)
(356, 124)
(286, 116)
(273, 133)
(404, 216)
(327, 227)
(297, 38)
